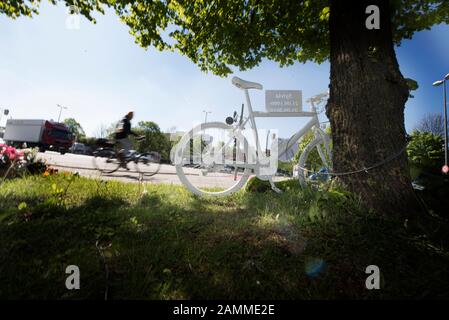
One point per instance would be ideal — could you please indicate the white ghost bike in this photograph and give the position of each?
(195, 155)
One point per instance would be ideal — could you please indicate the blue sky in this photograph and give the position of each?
(99, 73)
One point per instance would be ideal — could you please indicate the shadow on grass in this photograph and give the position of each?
(158, 251)
(250, 246)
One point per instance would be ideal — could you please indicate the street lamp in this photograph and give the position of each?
(206, 112)
(60, 111)
(436, 84)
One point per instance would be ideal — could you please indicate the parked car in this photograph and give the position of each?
(79, 148)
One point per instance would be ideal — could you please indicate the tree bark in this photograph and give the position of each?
(366, 108)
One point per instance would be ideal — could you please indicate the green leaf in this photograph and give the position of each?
(22, 206)
(324, 16)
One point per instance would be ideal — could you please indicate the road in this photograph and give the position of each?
(167, 173)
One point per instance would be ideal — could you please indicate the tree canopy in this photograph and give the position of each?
(155, 140)
(433, 123)
(75, 128)
(217, 34)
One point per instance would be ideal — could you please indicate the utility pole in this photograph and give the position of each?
(445, 168)
(60, 111)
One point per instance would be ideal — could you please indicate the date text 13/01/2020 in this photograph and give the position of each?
(242, 309)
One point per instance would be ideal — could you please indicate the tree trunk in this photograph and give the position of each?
(366, 108)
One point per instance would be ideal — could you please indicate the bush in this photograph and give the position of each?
(426, 157)
(425, 151)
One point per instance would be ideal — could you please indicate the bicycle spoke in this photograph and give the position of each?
(209, 163)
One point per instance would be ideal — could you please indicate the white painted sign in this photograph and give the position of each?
(283, 100)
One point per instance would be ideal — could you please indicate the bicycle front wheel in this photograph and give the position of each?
(210, 160)
(148, 164)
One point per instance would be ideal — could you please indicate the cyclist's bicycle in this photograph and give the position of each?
(107, 159)
(228, 140)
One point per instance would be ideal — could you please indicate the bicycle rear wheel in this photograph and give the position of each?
(105, 160)
(315, 162)
(148, 164)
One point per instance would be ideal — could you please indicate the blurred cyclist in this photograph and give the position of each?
(122, 131)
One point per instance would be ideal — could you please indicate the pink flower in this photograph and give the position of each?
(8, 153)
(11, 153)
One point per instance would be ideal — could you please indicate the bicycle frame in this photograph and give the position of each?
(313, 123)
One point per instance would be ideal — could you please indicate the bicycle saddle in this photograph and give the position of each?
(243, 84)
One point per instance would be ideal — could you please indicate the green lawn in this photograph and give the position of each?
(165, 243)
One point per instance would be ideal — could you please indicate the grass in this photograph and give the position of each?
(161, 242)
